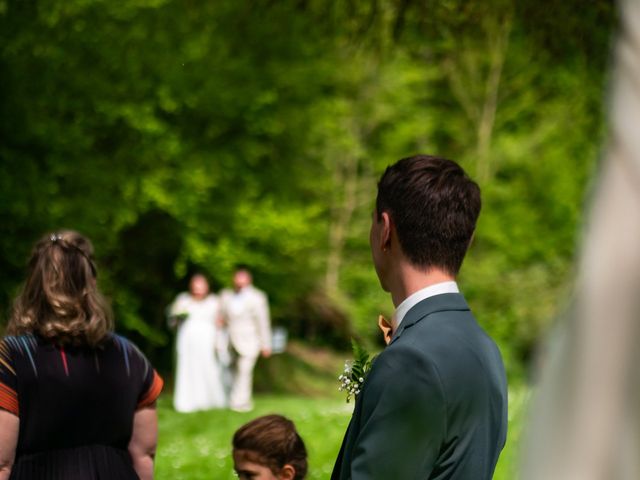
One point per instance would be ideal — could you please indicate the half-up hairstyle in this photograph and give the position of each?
(60, 300)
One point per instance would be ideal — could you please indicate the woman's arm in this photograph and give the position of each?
(144, 439)
(9, 428)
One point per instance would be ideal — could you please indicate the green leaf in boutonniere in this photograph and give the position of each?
(355, 371)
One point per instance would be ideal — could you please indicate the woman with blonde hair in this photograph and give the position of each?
(76, 400)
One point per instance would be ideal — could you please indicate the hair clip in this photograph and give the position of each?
(55, 237)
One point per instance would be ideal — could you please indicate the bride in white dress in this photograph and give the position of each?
(199, 380)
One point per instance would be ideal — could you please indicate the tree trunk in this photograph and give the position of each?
(346, 183)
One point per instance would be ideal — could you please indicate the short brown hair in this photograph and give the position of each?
(434, 206)
(60, 300)
(274, 442)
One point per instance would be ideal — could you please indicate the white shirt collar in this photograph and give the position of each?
(416, 297)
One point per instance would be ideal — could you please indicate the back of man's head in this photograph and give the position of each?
(434, 206)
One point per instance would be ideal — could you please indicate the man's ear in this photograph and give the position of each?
(287, 472)
(385, 236)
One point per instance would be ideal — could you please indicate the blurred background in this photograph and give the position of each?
(184, 135)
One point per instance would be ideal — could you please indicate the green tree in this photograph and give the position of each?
(182, 136)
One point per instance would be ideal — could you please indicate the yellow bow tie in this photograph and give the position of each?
(387, 329)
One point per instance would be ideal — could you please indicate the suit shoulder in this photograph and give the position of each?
(258, 296)
(404, 379)
(259, 293)
(451, 332)
(459, 349)
(405, 364)
(401, 352)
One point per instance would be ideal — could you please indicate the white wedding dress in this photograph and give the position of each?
(199, 376)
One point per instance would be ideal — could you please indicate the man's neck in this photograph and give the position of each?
(409, 280)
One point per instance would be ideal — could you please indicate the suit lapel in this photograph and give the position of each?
(438, 303)
(341, 469)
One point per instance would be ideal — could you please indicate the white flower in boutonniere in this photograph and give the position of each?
(355, 371)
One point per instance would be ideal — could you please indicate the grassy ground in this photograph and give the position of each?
(197, 446)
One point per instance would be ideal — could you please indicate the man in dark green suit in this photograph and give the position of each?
(434, 405)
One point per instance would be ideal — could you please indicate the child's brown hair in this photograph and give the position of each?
(272, 441)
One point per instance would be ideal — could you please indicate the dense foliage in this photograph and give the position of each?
(184, 135)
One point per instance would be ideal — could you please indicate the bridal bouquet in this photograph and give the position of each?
(355, 371)
(176, 319)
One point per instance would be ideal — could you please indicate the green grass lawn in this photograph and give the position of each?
(197, 446)
(302, 385)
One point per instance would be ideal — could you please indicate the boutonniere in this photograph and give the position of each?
(355, 371)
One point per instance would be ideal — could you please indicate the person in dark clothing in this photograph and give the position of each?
(77, 402)
(434, 405)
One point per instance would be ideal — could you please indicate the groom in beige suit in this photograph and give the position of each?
(245, 310)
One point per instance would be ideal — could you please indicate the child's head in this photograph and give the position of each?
(269, 448)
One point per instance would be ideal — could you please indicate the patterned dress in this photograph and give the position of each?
(75, 404)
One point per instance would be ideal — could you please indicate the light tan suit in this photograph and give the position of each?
(247, 316)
